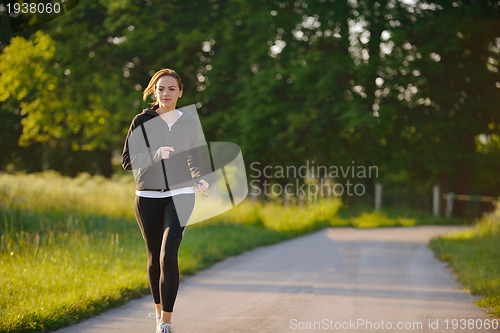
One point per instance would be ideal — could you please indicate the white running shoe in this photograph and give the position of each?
(165, 328)
(156, 316)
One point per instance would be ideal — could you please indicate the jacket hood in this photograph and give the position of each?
(152, 112)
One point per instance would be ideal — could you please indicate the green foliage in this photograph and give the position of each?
(47, 105)
(84, 195)
(456, 91)
(377, 219)
(409, 88)
(28, 78)
(297, 219)
(24, 67)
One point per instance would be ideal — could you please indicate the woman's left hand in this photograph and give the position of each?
(202, 186)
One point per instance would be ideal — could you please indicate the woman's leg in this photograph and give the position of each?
(149, 213)
(176, 214)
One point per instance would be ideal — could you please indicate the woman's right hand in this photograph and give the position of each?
(163, 152)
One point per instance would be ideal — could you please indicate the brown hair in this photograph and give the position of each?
(150, 89)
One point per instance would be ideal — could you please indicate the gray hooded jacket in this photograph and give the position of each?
(147, 133)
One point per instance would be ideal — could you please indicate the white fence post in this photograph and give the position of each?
(436, 200)
(449, 204)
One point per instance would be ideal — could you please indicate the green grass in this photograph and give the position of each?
(366, 217)
(475, 256)
(71, 276)
(71, 248)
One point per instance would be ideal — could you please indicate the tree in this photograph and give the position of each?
(457, 56)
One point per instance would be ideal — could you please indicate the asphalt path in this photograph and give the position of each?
(334, 280)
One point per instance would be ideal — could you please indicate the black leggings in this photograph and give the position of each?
(162, 224)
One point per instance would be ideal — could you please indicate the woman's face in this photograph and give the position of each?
(167, 92)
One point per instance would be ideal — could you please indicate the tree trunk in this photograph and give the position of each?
(106, 167)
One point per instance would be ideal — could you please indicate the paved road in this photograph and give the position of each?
(362, 279)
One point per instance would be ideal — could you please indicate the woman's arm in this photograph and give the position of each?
(199, 160)
(136, 153)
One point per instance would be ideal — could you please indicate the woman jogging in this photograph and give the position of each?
(161, 150)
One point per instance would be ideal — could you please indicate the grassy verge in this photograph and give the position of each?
(366, 217)
(71, 276)
(70, 248)
(475, 256)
